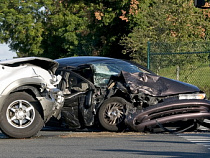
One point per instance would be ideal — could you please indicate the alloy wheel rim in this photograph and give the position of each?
(114, 113)
(20, 114)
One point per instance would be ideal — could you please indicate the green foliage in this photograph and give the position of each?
(41, 28)
(115, 28)
(169, 21)
(163, 55)
(59, 28)
(196, 74)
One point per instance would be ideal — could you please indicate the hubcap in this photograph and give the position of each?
(20, 114)
(114, 113)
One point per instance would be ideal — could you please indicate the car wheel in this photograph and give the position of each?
(20, 116)
(112, 114)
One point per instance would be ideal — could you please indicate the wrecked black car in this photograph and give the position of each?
(118, 94)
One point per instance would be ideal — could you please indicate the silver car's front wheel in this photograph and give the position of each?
(21, 116)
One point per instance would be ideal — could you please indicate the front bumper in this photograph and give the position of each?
(168, 112)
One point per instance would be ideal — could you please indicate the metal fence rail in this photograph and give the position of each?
(186, 62)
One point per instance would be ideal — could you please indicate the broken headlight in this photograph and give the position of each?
(192, 96)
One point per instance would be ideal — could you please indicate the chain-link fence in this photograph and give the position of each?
(187, 62)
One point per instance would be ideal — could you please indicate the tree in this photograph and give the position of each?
(42, 28)
(121, 29)
(59, 28)
(169, 21)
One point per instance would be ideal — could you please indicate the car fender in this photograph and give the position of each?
(20, 82)
(47, 104)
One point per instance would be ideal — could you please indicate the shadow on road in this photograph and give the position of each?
(186, 154)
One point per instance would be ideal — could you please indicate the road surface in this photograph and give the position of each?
(67, 144)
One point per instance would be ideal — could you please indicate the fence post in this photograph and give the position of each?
(148, 55)
(177, 72)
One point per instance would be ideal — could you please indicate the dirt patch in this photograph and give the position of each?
(101, 134)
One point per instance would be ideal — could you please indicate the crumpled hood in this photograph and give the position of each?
(45, 63)
(155, 85)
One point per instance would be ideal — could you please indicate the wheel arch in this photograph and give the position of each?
(29, 85)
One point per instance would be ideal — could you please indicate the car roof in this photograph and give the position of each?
(81, 60)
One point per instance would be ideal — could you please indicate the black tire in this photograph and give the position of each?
(112, 114)
(20, 116)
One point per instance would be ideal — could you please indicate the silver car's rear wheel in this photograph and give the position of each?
(21, 116)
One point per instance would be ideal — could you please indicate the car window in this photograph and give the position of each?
(103, 71)
(72, 82)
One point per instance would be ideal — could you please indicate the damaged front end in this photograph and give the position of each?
(160, 102)
(167, 113)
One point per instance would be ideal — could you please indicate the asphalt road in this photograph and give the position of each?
(65, 144)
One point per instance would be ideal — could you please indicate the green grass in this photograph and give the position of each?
(200, 76)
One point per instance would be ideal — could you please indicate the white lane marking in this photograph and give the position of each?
(197, 139)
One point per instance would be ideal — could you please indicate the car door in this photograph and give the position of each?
(78, 107)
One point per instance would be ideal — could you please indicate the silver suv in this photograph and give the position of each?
(28, 95)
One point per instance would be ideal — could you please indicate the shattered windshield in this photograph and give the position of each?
(104, 70)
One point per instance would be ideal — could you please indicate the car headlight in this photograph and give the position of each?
(192, 96)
